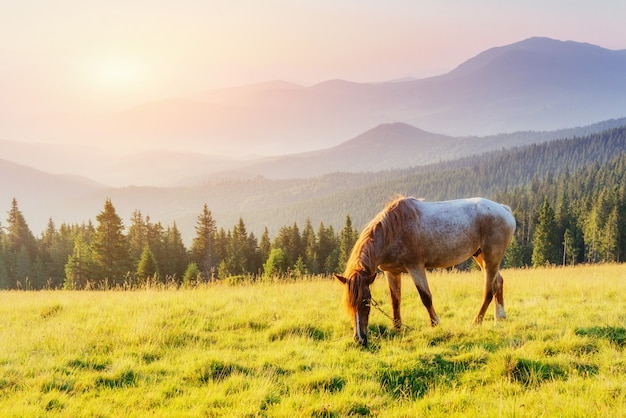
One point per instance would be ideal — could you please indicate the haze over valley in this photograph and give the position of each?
(286, 148)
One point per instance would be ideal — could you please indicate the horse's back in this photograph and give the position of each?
(438, 234)
(465, 211)
(460, 227)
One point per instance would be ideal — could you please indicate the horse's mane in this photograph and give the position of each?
(385, 227)
(381, 231)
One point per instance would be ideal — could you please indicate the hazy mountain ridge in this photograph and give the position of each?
(385, 147)
(38, 189)
(269, 203)
(533, 84)
(398, 145)
(537, 84)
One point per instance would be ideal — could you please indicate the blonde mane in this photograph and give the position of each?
(385, 227)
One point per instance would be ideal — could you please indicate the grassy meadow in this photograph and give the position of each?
(286, 349)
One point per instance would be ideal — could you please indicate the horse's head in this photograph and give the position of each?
(358, 298)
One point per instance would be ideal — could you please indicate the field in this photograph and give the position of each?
(286, 349)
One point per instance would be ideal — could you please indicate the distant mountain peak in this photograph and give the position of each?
(397, 127)
(397, 134)
(540, 46)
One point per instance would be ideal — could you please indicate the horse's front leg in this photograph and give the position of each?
(395, 289)
(418, 274)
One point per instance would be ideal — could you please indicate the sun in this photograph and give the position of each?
(116, 80)
(113, 73)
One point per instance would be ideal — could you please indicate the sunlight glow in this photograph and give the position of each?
(110, 81)
(112, 73)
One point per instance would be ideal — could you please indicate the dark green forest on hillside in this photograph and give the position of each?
(568, 197)
(330, 197)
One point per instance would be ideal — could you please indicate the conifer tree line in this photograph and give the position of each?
(570, 218)
(109, 255)
(563, 217)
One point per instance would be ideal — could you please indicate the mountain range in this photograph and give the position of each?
(536, 84)
(538, 90)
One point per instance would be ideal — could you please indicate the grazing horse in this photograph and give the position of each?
(410, 236)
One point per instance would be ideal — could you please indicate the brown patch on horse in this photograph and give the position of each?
(387, 225)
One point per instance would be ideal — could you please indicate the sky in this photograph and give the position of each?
(104, 56)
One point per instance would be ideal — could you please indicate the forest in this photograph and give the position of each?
(568, 197)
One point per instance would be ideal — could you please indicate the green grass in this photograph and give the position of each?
(286, 349)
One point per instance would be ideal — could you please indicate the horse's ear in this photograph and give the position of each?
(340, 278)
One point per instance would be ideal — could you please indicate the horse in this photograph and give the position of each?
(410, 236)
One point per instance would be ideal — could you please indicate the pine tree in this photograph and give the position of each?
(513, 258)
(137, 236)
(276, 264)
(290, 242)
(175, 256)
(621, 224)
(203, 245)
(4, 273)
(348, 238)
(265, 246)
(238, 260)
(327, 249)
(23, 269)
(591, 235)
(192, 275)
(570, 249)
(310, 248)
(546, 239)
(299, 268)
(253, 255)
(155, 239)
(610, 237)
(53, 251)
(80, 266)
(110, 248)
(20, 248)
(147, 267)
(295, 248)
(18, 233)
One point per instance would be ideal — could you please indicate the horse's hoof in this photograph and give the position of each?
(362, 341)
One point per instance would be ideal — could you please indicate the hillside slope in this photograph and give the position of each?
(398, 145)
(274, 203)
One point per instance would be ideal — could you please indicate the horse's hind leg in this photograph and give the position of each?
(395, 289)
(419, 278)
(493, 290)
(499, 297)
